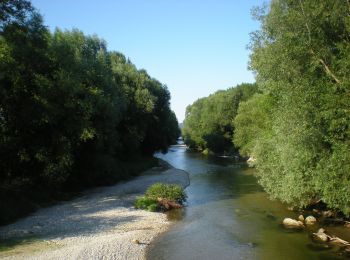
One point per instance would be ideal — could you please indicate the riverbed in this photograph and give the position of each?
(229, 216)
(100, 224)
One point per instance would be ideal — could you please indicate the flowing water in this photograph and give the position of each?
(229, 216)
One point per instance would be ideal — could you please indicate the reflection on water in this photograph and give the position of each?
(229, 217)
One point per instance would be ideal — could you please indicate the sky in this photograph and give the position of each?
(195, 47)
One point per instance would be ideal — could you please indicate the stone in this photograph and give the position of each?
(292, 223)
(321, 235)
(310, 220)
(301, 218)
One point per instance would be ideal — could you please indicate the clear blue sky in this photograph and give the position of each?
(195, 47)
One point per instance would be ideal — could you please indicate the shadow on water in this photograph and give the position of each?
(229, 217)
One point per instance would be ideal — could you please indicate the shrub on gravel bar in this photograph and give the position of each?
(162, 196)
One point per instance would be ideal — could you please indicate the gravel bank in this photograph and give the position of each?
(102, 224)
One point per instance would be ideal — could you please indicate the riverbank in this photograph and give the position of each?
(101, 223)
(18, 199)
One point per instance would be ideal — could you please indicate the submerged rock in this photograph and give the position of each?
(292, 223)
(310, 220)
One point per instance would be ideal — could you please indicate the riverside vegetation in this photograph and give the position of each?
(161, 197)
(72, 113)
(295, 122)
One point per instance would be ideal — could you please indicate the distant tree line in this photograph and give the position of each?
(208, 124)
(297, 126)
(70, 110)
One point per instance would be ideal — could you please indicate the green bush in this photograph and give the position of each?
(153, 207)
(170, 192)
(147, 204)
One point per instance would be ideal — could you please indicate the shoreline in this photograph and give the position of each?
(102, 223)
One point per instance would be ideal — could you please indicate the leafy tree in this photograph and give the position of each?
(301, 59)
(72, 113)
(24, 64)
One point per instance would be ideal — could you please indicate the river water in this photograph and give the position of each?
(229, 216)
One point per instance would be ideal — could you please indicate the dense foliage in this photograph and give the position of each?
(70, 110)
(166, 191)
(208, 122)
(298, 128)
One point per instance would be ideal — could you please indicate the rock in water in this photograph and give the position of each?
(321, 235)
(310, 220)
(301, 218)
(292, 223)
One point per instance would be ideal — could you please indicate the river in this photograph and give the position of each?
(229, 216)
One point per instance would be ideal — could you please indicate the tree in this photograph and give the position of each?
(301, 59)
(70, 110)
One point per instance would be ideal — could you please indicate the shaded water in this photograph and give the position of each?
(229, 217)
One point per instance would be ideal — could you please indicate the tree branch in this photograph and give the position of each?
(328, 71)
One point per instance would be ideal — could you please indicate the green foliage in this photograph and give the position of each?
(147, 204)
(299, 128)
(70, 110)
(208, 122)
(252, 123)
(170, 192)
